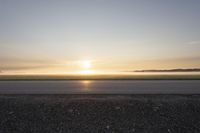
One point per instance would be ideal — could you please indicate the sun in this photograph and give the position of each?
(86, 64)
(86, 67)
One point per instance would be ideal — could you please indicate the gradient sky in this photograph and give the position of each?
(56, 36)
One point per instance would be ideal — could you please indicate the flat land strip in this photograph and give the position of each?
(100, 77)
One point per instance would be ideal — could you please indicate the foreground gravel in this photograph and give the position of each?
(99, 113)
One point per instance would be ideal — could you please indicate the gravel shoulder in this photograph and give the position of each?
(99, 113)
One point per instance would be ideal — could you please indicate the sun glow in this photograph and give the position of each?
(87, 72)
(86, 64)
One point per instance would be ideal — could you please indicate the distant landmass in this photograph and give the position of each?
(170, 70)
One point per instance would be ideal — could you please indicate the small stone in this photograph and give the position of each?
(108, 127)
(117, 108)
(155, 108)
(10, 113)
(70, 110)
(168, 130)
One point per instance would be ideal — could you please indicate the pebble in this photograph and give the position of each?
(108, 127)
(133, 130)
(117, 108)
(10, 113)
(70, 110)
(155, 108)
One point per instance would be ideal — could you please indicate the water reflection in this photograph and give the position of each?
(86, 84)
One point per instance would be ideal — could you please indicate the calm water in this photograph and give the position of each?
(101, 87)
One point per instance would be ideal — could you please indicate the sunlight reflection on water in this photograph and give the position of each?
(86, 84)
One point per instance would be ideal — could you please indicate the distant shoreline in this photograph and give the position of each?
(170, 70)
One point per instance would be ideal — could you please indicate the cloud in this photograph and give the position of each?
(23, 67)
(194, 42)
(12, 63)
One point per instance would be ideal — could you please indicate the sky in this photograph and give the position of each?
(98, 36)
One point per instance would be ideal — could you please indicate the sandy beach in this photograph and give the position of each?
(99, 113)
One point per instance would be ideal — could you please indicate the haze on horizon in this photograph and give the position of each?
(102, 36)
